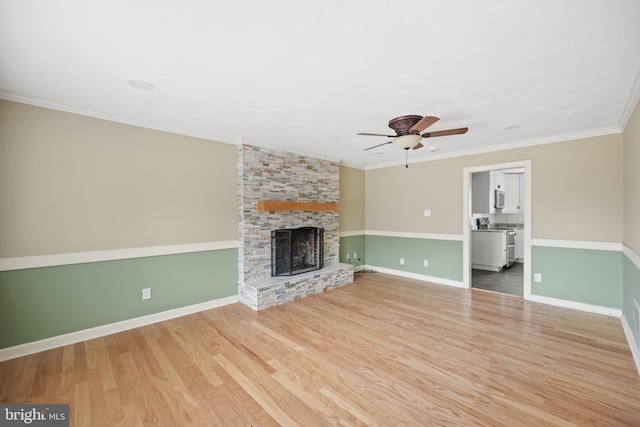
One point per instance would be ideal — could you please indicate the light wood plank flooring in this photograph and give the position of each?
(381, 351)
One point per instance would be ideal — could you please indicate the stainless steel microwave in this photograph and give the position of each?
(499, 199)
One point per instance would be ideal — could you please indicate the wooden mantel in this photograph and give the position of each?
(282, 205)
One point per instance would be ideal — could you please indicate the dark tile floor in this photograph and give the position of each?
(507, 281)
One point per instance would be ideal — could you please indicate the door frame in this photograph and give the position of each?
(466, 209)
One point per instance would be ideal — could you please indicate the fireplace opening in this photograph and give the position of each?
(296, 250)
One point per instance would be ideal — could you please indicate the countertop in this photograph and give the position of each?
(500, 228)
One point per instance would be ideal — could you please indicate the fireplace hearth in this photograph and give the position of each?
(296, 250)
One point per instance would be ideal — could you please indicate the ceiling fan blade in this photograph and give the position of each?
(379, 145)
(418, 146)
(424, 123)
(457, 131)
(377, 134)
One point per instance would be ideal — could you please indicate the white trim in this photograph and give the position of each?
(432, 236)
(352, 165)
(292, 150)
(352, 233)
(101, 331)
(597, 309)
(236, 140)
(421, 277)
(507, 146)
(358, 268)
(21, 263)
(633, 257)
(633, 345)
(467, 175)
(115, 118)
(632, 101)
(578, 244)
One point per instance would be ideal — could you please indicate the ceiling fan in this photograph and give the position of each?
(408, 130)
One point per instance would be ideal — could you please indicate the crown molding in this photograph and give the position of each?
(275, 147)
(632, 101)
(508, 146)
(9, 96)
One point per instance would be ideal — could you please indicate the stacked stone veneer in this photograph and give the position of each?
(265, 174)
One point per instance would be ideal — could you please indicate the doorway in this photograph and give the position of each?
(484, 271)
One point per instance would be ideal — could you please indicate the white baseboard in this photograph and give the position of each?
(633, 257)
(633, 345)
(607, 311)
(596, 309)
(421, 277)
(100, 331)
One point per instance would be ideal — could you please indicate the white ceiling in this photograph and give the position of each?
(306, 76)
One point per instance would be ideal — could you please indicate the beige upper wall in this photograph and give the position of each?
(351, 199)
(632, 182)
(576, 194)
(70, 183)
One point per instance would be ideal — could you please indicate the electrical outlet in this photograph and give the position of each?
(427, 212)
(426, 263)
(537, 277)
(347, 257)
(401, 261)
(355, 255)
(146, 293)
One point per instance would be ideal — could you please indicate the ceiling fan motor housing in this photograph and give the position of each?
(403, 124)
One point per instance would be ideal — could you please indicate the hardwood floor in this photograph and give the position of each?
(381, 351)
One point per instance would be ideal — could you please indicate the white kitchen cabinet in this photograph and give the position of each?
(488, 250)
(514, 193)
(483, 185)
(511, 193)
(520, 245)
(497, 180)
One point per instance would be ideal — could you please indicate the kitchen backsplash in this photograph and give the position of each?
(502, 218)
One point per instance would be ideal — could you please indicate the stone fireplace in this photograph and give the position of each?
(283, 191)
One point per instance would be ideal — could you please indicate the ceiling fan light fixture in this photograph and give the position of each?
(407, 141)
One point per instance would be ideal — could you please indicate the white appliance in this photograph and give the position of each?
(511, 237)
(499, 199)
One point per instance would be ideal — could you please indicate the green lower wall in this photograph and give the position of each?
(444, 256)
(45, 302)
(630, 290)
(580, 275)
(350, 245)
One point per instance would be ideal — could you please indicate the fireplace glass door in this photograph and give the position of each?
(296, 250)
